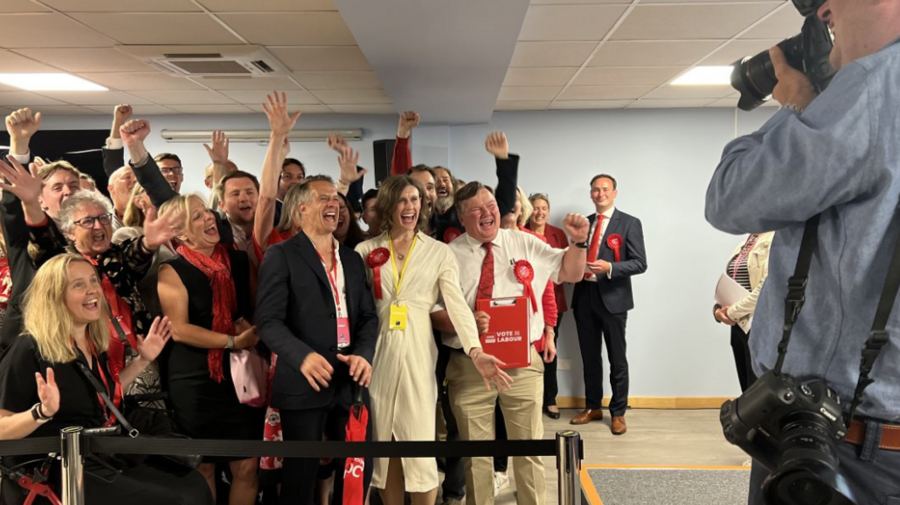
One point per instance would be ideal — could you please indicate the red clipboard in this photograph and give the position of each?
(508, 338)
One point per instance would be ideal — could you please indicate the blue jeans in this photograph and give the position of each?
(873, 473)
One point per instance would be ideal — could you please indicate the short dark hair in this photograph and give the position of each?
(369, 195)
(423, 168)
(294, 161)
(605, 176)
(466, 192)
(167, 156)
(237, 174)
(435, 169)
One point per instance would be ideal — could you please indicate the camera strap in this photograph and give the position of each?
(796, 296)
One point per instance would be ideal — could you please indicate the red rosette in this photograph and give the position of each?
(374, 260)
(614, 242)
(525, 274)
(451, 233)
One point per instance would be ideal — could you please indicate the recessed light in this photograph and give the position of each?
(705, 76)
(49, 82)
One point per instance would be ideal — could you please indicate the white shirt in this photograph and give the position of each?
(340, 309)
(509, 246)
(603, 226)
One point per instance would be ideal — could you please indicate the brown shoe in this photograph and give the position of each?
(618, 425)
(587, 416)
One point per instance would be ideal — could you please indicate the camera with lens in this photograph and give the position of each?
(808, 52)
(793, 430)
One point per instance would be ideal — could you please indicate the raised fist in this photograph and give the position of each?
(134, 131)
(408, 121)
(497, 145)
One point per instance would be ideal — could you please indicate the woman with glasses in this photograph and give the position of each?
(206, 292)
(84, 223)
(538, 223)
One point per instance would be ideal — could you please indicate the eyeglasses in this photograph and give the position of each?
(172, 171)
(88, 222)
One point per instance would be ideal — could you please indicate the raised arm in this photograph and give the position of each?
(401, 161)
(146, 171)
(218, 154)
(280, 123)
(114, 151)
(507, 171)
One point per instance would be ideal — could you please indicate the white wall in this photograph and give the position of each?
(662, 160)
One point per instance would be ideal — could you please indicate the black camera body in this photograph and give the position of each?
(808, 52)
(793, 430)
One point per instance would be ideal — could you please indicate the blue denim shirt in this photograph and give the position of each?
(841, 158)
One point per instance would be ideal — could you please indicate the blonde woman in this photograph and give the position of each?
(42, 387)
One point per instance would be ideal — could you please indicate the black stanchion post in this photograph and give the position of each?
(72, 466)
(568, 466)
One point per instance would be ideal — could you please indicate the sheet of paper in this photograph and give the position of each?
(729, 292)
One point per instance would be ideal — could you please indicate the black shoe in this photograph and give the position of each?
(551, 414)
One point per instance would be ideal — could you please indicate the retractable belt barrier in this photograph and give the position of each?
(567, 448)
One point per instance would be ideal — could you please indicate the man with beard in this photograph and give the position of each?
(238, 195)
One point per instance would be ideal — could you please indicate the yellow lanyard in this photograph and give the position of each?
(398, 280)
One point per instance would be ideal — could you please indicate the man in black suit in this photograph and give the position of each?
(316, 313)
(602, 300)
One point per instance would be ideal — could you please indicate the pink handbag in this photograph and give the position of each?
(248, 371)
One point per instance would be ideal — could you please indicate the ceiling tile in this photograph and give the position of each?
(529, 93)
(652, 54)
(291, 29)
(352, 97)
(338, 80)
(87, 60)
(19, 99)
(539, 76)
(321, 58)
(683, 22)
(93, 97)
(604, 92)
(669, 104)
(268, 5)
(551, 54)
(211, 109)
(21, 6)
(139, 110)
(689, 92)
(625, 76)
(159, 28)
(589, 104)
(737, 49)
(12, 62)
(307, 109)
(579, 2)
(184, 97)
(522, 105)
(259, 97)
(47, 30)
(783, 24)
(122, 5)
(140, 81)
(67, 110)
(569, 22)
(263, 83)
(364, 109)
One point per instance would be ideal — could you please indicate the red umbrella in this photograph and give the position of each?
(354, 492)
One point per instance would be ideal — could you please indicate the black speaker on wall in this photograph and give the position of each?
(384, 154)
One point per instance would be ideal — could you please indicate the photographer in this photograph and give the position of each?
(836, 154)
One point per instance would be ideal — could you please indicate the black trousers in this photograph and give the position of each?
(596, 324)
(454, 485)
(740, 346)
(551, 386)
(300, 474)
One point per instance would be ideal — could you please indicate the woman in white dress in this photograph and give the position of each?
(409, 271)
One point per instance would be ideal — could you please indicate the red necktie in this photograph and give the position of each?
(595, 243)
(486, 282)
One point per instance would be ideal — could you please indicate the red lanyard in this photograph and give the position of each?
(116, 395)
(745, 252)
(332, 278)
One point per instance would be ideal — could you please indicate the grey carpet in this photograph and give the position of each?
(622, 486)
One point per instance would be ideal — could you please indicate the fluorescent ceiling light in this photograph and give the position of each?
(705, 76)
(49, 82)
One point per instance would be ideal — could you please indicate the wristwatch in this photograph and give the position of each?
(230, 344)
(583, 245)
(38, 415)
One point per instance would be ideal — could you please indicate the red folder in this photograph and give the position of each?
(508, 336)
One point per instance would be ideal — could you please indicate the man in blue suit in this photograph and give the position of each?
(602, 300)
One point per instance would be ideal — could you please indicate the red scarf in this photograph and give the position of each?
(218, 269)
(5, 283)
(119, 309)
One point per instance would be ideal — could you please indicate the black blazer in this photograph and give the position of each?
(616, 292)
(295, 316)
